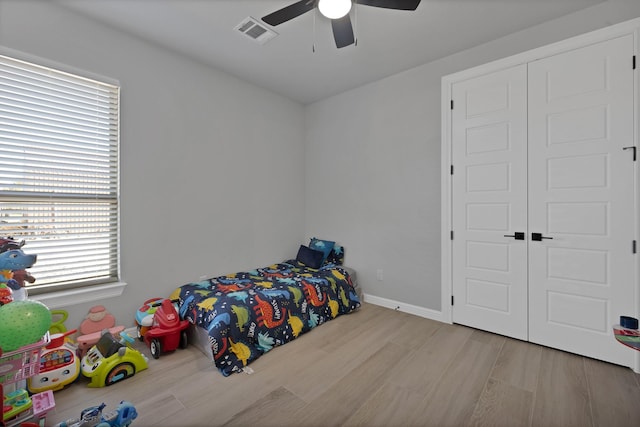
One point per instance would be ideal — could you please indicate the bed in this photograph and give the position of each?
(243, 315)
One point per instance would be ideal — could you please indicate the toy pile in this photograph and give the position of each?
(37, 356)
(13, 270)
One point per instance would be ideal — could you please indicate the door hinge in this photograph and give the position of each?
(452, 104)
(634, 151)
(451, 234)
(634, 62)
(451, 169)
(634, 248)
(451, 299)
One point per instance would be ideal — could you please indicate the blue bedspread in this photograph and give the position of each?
(249, 313)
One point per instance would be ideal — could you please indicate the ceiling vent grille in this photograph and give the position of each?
(251, 28)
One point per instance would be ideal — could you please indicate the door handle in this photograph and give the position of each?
(518, 235)
(537, 237)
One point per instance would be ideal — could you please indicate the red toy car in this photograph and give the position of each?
(167, 331)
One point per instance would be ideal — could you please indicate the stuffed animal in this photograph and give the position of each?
(15, 260)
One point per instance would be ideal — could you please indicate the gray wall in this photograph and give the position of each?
(373, 163)
(210, 164)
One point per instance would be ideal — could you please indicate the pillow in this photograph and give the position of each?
(310, 257)
(336, 256)
(322, 245)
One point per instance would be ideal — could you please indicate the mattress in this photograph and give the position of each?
(246, 314)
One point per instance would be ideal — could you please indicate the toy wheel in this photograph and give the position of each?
(155, 348)
(139, 332)
(184, 341)
(120, 372)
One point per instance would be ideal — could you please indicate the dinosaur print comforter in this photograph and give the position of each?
(249, 313)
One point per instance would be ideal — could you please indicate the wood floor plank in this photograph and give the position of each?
(425, 367)
(455, 397)
(518, 364)
(280, 404)
(338, 403)
(614, 393)
(562, 395)
(502, 405)
(390, 405)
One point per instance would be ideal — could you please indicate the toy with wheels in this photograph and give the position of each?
(167, 331)
(144, 315)
(92, 326)
(110, 360)
(122, 416)
(59, 365)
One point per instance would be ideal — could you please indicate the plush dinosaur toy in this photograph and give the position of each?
(11, 261)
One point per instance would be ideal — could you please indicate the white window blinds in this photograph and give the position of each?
(59, 173)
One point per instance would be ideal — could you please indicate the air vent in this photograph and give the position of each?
(251, 28)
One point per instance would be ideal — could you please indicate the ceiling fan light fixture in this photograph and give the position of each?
(334, 9)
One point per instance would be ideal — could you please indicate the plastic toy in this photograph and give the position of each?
(89, 417)
(59, 365)
(23, 322)
(122, 416)
(144, 315)
(110, 360)
(15, 260)
(6, 294)
(16, 403)
(16, 367)
(98, 320)
(167, 331)
(58, 317)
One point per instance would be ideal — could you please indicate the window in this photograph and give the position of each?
(59, 137)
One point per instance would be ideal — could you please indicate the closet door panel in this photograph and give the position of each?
(489, 152)
(581, 198)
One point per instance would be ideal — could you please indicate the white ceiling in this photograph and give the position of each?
(389, 41)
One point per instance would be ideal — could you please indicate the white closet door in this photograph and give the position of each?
(581, 198)
(489, 201)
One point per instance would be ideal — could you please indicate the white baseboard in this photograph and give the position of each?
(405, 308)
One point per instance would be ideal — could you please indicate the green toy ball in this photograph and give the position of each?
(23, 322)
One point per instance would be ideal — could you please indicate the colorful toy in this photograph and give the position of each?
(16, 367)
(122, 416)
(15, 260)
(15, 403)
(6, 294)
(58, 318)
(167, 331)
(23, 322)
(627, 332)
(144, 315)
(110, 360)
(98, 320)
(59, 365)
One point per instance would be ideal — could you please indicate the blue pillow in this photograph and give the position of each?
(309, 257)
(322, 245)
(336, 256)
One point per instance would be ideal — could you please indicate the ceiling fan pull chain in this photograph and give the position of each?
(355, 19)
(313, 44)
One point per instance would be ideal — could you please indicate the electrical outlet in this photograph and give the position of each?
(380, 274)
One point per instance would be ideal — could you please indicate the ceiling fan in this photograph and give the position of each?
(338, 12)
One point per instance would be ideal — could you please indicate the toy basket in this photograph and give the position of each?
(22, 363)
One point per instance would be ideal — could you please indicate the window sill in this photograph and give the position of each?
(70, 297)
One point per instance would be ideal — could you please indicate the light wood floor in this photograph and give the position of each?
(377, 367)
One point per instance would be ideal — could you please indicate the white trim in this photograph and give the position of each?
(629, 27)
(62, 299)
(405, 308)
(45, 62)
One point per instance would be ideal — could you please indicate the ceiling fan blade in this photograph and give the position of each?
(287, 13)
(342, 31)
(392, 4)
